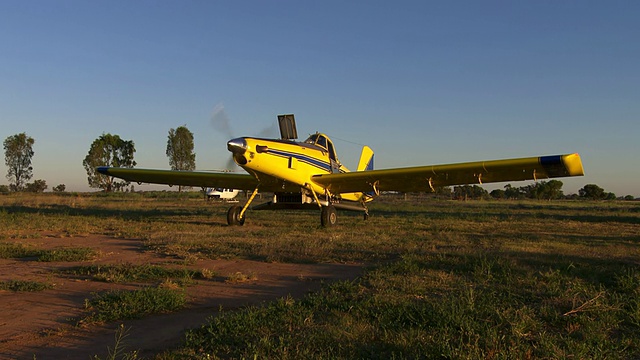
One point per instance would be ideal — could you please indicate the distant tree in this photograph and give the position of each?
(511, 192)
(547, 190)
(629, 197)
(593, 192)
(498, 194)
(4, 189)
(108, 150)
(610, 196)
(18, 152)
(180, 150)
(464, 192)
(442, 192)
(59, 188)
(37, 186)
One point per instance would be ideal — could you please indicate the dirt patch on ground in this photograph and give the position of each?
(43, 323)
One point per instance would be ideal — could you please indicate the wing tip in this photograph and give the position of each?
(103, 170)
(573, 163)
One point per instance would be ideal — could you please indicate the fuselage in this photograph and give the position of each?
(291, 164)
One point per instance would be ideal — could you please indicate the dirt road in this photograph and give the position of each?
(43, 324)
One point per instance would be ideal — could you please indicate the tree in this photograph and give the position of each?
(552, 190)
(18, 152)
(464, 192)
(593, 192)
(59, 188)
(511, 192)
(37, 186)
(180, 150)
(548, 190)
(498, 194)
(108, 150)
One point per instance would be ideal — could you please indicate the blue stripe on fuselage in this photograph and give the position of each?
(303, 158)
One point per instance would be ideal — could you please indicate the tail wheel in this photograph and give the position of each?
(328, 217)
(233, 216)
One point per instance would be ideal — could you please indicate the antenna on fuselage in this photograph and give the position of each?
(287, 127)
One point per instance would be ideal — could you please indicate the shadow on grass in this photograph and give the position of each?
(133, 214)
(476, 215)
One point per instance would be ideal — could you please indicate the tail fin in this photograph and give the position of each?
(366, 159)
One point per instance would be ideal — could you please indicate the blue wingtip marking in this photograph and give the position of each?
(103, 170)
(551, 160)
(554, 166)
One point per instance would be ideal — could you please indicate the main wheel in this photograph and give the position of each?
(233, 216)
(328, 217)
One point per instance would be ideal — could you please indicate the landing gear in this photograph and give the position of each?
(233, 216)
(328, 216)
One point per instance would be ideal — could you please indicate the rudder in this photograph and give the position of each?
(366, 159)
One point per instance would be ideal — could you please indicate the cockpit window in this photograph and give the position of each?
(332, 152)
(317, 139)
(322, 141)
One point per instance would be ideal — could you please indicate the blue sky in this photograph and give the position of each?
(420, 82)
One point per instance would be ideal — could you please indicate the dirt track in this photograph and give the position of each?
(43, 324)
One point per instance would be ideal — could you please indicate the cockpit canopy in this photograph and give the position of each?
(322, 141)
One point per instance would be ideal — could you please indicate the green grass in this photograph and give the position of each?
(24, 285)
(67, 254)
(16, 250)
(122, 273)
(444, 279)
(132, 304)
(441, 306)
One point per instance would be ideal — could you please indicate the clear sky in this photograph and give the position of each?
(421, 82)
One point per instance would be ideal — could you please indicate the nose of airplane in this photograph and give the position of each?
(237, 146)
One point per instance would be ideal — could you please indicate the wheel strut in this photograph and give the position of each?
(235, 215)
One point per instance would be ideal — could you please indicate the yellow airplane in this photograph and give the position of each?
(308, 174)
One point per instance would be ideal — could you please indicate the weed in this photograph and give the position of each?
(240, 277)
(119, 348)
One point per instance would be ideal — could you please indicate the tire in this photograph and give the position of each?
(328, 217)
(233, 216)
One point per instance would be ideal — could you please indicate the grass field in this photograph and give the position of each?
(443, 279)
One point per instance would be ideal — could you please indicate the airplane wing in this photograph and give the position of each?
(425, 178)
(183, 178)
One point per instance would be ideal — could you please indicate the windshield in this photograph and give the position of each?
(317, 139)
(312, 139)
(322, 141)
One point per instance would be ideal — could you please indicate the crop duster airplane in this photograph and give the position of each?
(308, 174)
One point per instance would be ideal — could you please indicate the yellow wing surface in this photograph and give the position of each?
(425, 178)
(183, 178)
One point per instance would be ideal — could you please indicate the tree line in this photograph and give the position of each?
(111, 150)
(543, 190)
(106, 150)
